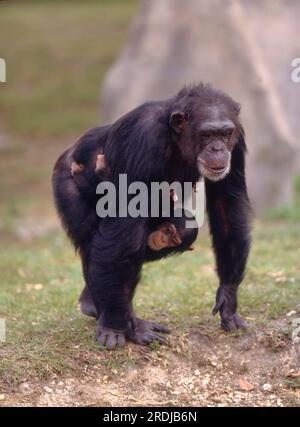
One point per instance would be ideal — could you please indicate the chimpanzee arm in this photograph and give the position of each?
(229, 215)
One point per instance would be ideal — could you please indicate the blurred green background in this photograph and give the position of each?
(56, 56)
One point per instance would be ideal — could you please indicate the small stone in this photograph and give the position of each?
(291, 313)
(2, 397)
(48, 389)
(267, 387)
(25, 388)
(205, 381)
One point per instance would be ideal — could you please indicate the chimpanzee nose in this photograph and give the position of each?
(217, 146)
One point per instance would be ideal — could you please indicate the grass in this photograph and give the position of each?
(41, 281)
(56, 56)
(291, 212)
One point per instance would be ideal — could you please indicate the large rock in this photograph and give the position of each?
(176, 42)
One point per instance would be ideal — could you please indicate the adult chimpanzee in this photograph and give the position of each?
(195, 134)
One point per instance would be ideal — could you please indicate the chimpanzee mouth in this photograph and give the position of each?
(214, 173)
(216, 170)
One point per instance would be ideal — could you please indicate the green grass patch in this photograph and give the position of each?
(290, 212)
(57, 53)
(47, 335)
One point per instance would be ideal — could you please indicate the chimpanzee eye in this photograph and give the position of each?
(206, 134)
(226, 136)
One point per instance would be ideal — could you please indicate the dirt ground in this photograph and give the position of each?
(205, 368)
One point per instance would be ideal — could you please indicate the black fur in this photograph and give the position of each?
(143, 145)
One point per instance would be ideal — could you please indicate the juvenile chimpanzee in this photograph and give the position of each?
(166, 235)
(195, 134)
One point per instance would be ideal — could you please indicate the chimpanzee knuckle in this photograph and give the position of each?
(233, 322)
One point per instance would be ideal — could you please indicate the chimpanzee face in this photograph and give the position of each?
(207, 135)
(215, 143)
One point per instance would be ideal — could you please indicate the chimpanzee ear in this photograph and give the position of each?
(178, 121)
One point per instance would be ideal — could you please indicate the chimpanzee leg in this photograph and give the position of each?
(142, 331)
(139, 331)
(114, 264)
(86, 302)
(120, 307)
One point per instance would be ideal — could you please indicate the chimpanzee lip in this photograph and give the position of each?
(214, 170)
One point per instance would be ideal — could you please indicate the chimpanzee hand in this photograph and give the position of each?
(144, 332)
(76, 168)
(226, 304)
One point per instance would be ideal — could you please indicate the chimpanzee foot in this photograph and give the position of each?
(226, 304)
(110, 338)
(144, 332)
(87, 305)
